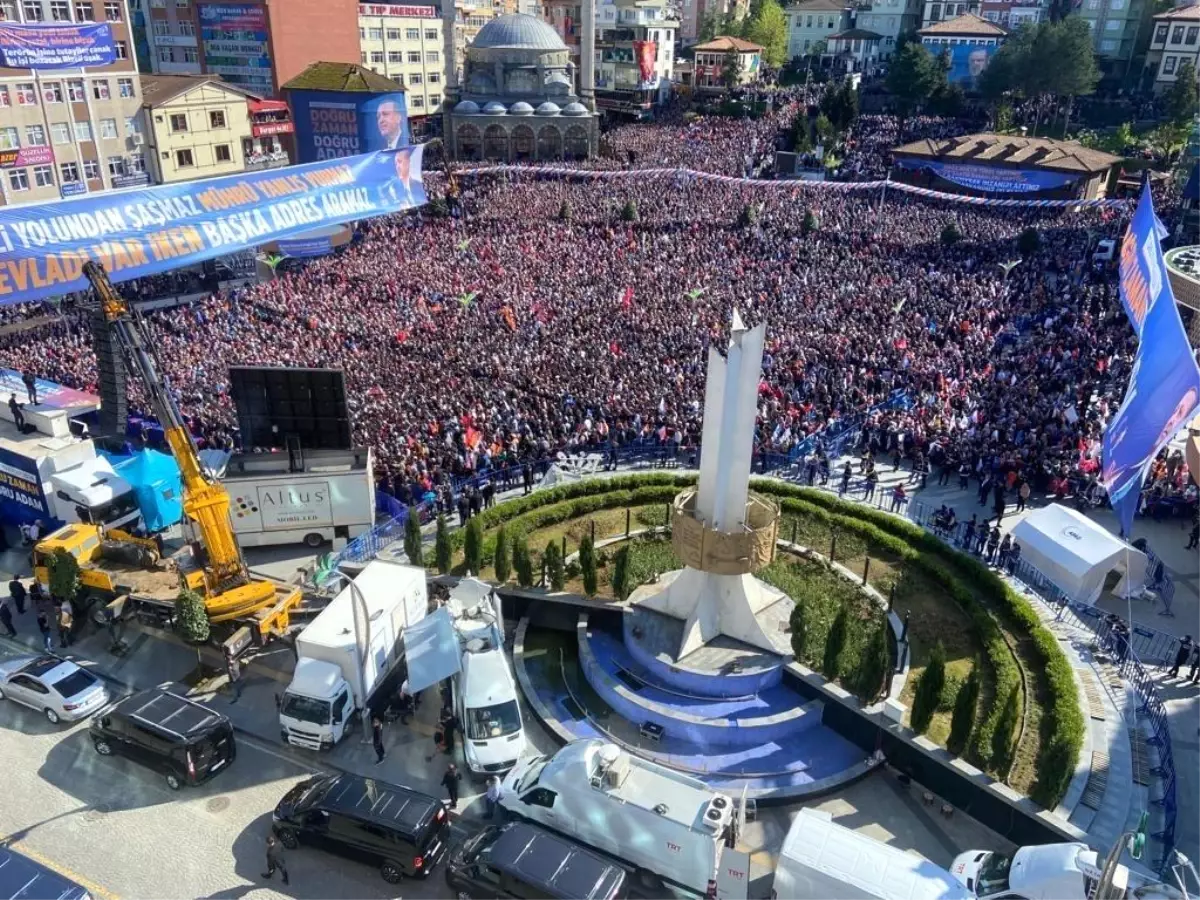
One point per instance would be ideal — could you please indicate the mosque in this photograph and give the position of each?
(517, 100)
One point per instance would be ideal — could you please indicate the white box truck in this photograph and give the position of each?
(820, 858)
(334, 680)
(323, 496)
(672, 829)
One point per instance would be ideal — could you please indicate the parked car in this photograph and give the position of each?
(522, 860)
(59, 689)
(184, 741)
(22, 878)
(402, 831)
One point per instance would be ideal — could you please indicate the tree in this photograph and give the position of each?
(709, 26)
(929, 690)
(587, 565)
(840, 105)
(1168, 139)
(731, 71)
(913, 75)
(1029, 241)
(809, 224)
(501, 562)
(748, 217)
(564, 211)
(767, 27)
(64, 575)
(629, 212)
(733, 23)
(473, 546)
(818, 49)
(412, 537)
(875, 663)
(801, 142)
(522, 561)
(962, 719)
(553, 560)
(191, 619)
(824, 129)
(1006, 733)
(799, 626)
(1181, 98)
(835, 643)
(441, 547)
(620, 574)
(1120, 140)
(947, 100)
(1004, 116)
(951, 234)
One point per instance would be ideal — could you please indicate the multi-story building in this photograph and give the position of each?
(1174, 42)
(712, 58)
(935, 11)
(889, 19)
(635, 47)
(967, 29)
(405, 43)
(566, 17)
(197, 126)
(70, 131)
(1116, 27)
(811, 22)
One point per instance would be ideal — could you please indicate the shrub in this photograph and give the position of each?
(565, 212)
(620, 574)
(962, 720)
(809, 224)
(587, 565)
(191, 618)
(798, 622)
(412, 537)
(501, 558)
(1029, 241)
(748, 217)
(572, 570)
(553, 561)
(473, 546)
(929, 690)
(522, 561)
(629, 212)
(1006, 733)
(951, 234)
(875, 663)
(834, 644)
(441, 547)
(64, 575)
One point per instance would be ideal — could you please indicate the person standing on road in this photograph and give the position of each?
(6, 617)
(43, 624)
(377, 738)
(65, 621)
(1181, 656)
(1194, 674)
(16, 590)
(275, 858)
(494, 794)
(234, 669)
(450, 782)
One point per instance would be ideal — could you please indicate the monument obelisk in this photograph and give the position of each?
(720, 530)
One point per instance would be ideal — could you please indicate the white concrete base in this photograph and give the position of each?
(713, 605)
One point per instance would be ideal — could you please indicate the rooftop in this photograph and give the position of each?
(818, 6)
(988, 149)
(968, 23)
(336, 76)
(856, 34)
(518, 30)
(1183, 14)
(159, 89)
(724, 43)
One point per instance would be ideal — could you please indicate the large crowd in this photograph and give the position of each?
(537, 320)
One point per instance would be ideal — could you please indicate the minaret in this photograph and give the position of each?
(450, 55)
(587, 56)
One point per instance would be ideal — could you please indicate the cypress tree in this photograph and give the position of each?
(412, 537)
(929, 690)
(441, 547)
(962, 719)
(834, 644)
(473, 546)
(503, 559)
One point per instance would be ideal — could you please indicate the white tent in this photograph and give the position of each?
(1077, 555)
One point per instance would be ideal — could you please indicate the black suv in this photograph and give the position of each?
(184, 741)
(402, 831)
(522, 860)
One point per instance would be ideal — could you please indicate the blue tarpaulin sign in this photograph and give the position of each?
(1164, 388)
(332, 124)
(307, 247)
(142, 232)
(993, 179)
(60, 46)
(156, 483)
(21, 498)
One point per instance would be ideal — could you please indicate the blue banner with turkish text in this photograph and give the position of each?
(1164, 387)
(59, 46)
(993, 179)
(136, 233)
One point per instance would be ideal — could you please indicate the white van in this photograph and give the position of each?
(820, 858)
(656, 820)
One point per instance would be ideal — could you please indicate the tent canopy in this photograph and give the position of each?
(1077, 555)
(432, 651)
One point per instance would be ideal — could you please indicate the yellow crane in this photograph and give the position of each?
(220, 575)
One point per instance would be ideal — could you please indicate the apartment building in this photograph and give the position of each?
(1174, 42)
(70, 131)
(404, 43)
(889, 19)
(635, 55)
(1116, 27)
(812, 22)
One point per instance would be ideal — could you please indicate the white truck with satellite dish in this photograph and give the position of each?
(348, 651)
(670, 827)
(485, 691)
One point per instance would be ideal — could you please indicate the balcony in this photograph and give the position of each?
(256, 162)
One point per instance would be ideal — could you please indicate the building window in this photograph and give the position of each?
(122, 49)
(60, 11)
(393, 34)
(363, 57)
(112, 11)
(1177, 35)
(362, 34)
(69, 172)
(132, 125)
(187, 28)
(414, 56)
(418, 102)
(91, 169)
(164, 54)
(84, 12)
(83, 131)
(376, 56)
(1108, 46)
(395, 56)
(431, 34)
(431, 56)
(52, 91)
(137, 163)
(415, 78)
(1169, 65)
(179, 122)
(1160, 34)
(5, 99)
(216, 118)
(100, 89)
(8, 10)
(222, 154)
(190, 55)
(26, 95)
(183, 159)
(1114, 25)
(116, 165)
(75, 91)
(33, 12)
(60, 133)
(435, 77)
(162, 28)
(181, 4)
(108, 129)
(1192, 33)
(375, 34)
(125, 87)
(10, 138)
(18, 180)
(412, 34)
(43, 176)
(35, 135)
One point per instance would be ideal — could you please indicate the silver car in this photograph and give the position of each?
(61, 690)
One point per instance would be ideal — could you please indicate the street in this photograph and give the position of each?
(118, 830)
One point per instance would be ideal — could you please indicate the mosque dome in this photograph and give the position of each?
(548, 109)
(575, 109)
(520, 108)
(494, 109)
(467, 108)
(518, 30)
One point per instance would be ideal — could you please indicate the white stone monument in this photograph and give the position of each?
(719, 530)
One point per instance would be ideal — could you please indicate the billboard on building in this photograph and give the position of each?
(646, 53)
(333, 124)
(59, 46)
(26, 156)
(967, 64)
(236, 47)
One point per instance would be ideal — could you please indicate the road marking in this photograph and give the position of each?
(93, 888)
